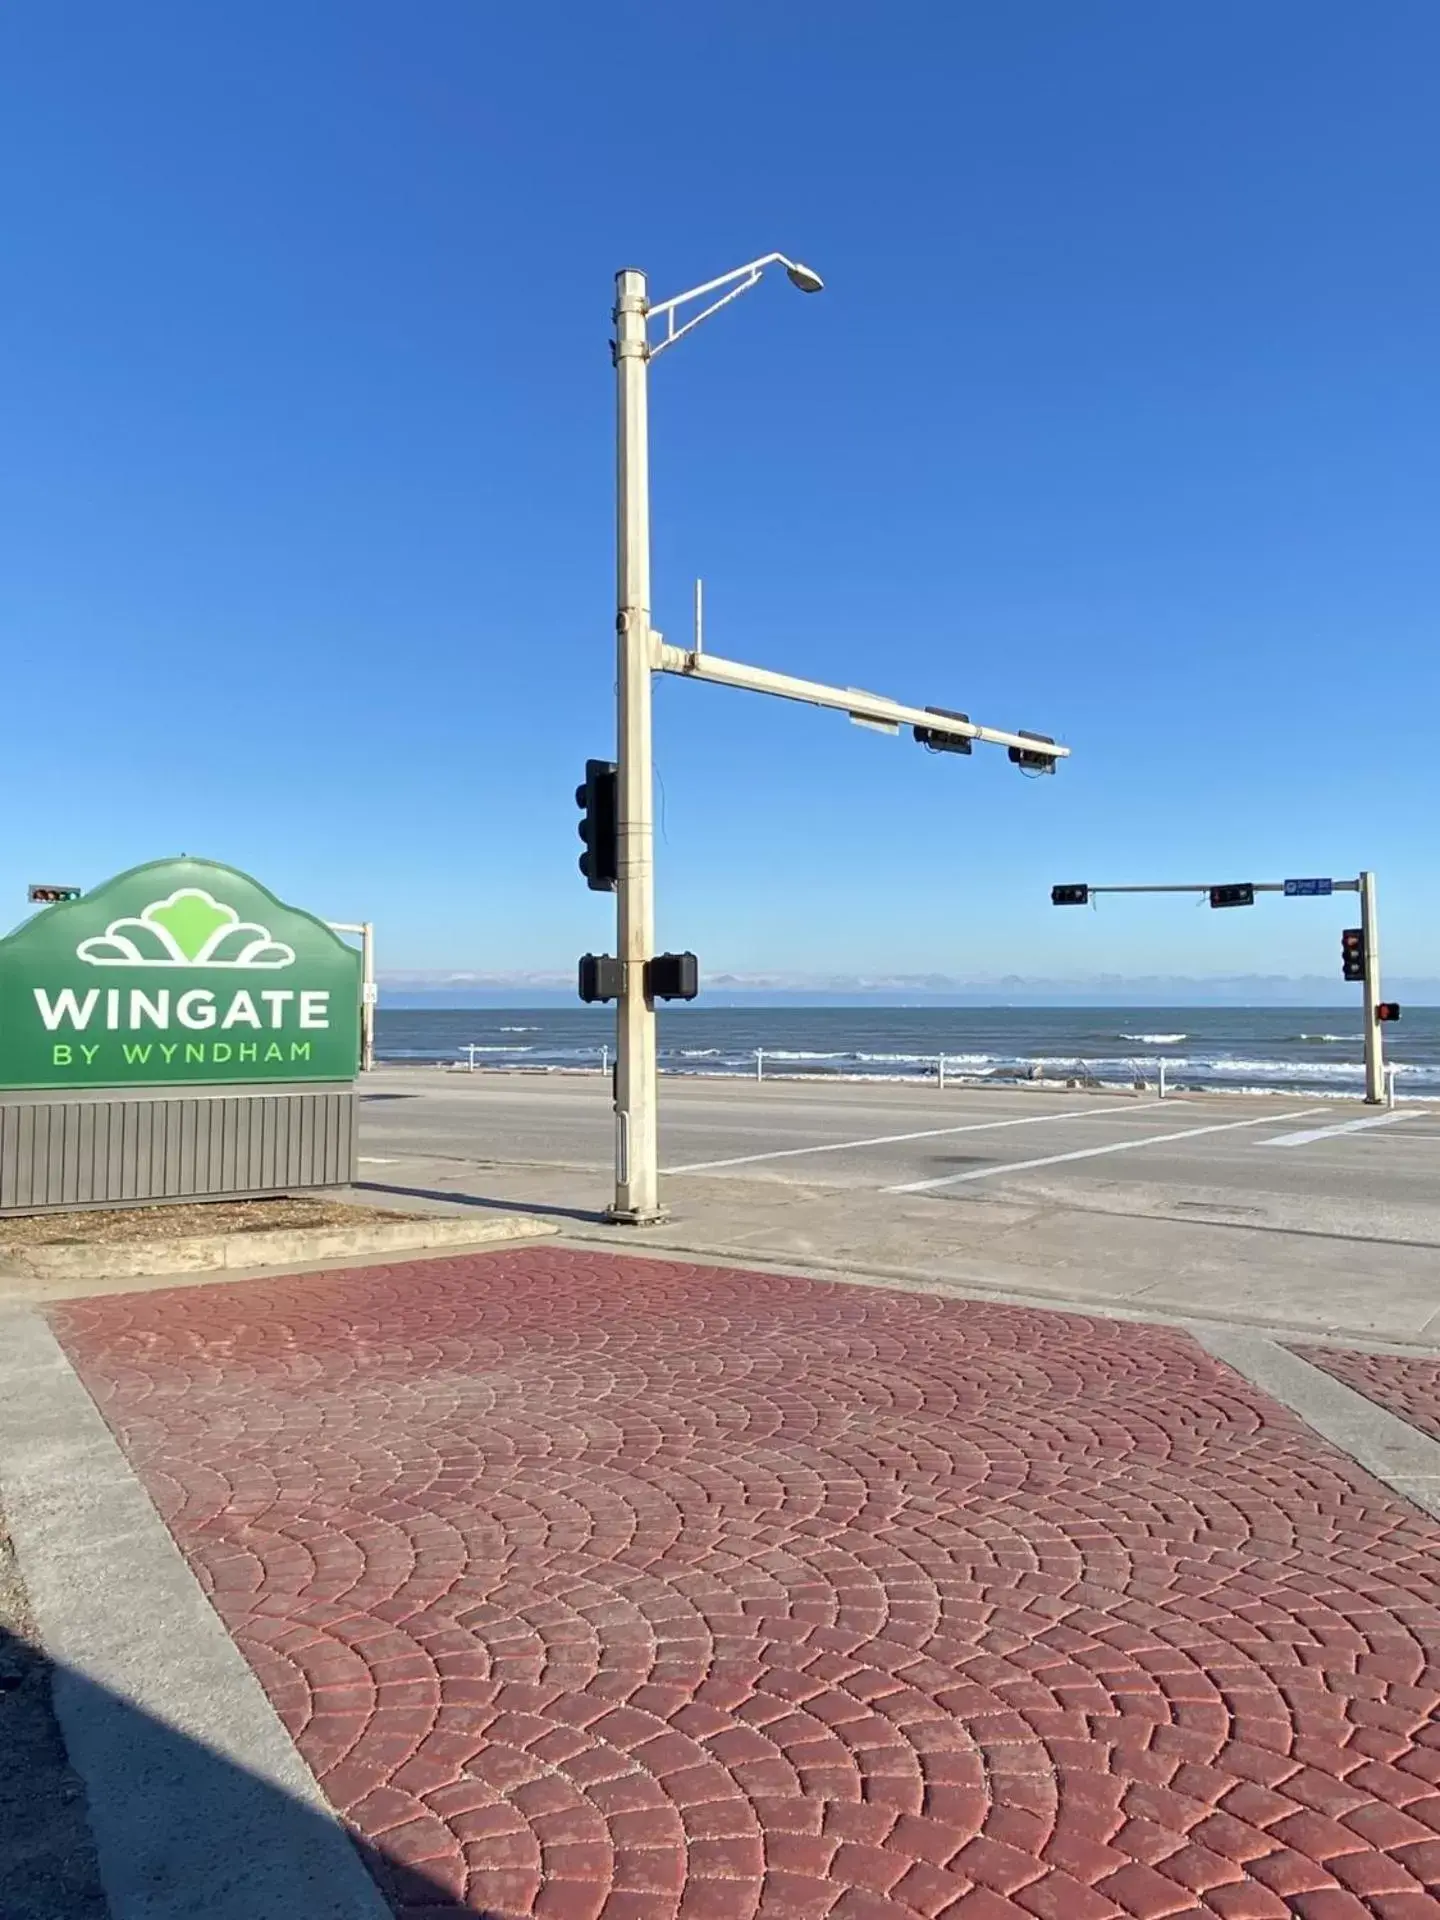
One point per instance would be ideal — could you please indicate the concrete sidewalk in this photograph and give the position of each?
(602, 1588)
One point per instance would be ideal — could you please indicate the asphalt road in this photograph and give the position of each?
(1319, 1214)
(1337, 1160)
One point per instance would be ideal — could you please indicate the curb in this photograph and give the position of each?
(266, 1247)
(1404, 1458)
(199, 1802)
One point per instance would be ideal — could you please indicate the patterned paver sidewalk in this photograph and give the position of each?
(607, 1589)
(1404, 1384)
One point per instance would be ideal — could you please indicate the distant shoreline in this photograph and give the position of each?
(401, 1001)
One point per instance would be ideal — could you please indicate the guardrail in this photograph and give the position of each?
(1077, 1069)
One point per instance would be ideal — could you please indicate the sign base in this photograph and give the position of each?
(106, 1148)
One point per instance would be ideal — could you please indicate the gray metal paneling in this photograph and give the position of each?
(102, 1150)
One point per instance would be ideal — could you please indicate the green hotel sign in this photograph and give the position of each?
(177, 973)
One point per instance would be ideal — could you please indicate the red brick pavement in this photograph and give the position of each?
(1409, 1388)
(607, 1589)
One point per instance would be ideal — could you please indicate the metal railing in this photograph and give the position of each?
(942, 1073)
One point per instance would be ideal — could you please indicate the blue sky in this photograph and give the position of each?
(1119, 418)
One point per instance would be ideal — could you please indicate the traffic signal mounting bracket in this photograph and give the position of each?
(1029, 759)
(937, 740)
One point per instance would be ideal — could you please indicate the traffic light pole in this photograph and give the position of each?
(639, 654)
(866, 709)
(637, 1169)
(1370, 940)
(1374, 1044)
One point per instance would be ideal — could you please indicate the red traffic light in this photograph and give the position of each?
(1352, 953)
(1388, 1010)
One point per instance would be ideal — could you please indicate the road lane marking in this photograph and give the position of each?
(374, 1160)
(1087, 1153)
(893, 1139)
(1327, 1133)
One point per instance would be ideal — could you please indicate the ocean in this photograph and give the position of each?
(1309, 1050)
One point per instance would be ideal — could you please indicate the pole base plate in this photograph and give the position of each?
(635, 1217)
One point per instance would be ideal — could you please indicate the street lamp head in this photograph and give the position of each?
(803, 277)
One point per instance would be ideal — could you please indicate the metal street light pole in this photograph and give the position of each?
(368, 991)
(637, 1173)
(369, 994)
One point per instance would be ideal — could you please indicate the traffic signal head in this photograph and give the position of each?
(1031, 759)
(598, 798)
(1242, 895)
(938, 740)
(1388, 1010)
(46, 896)
(601, 976)
(672, 976)
(1069, 896)
(1352, 953)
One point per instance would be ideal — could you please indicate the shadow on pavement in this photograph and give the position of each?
(591, 1214)
(273, 1857)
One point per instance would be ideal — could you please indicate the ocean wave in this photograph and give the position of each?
(1280, 1069)
(1291, 1070)
(790, 1053)
(920, 1059)
(1329, 1037)
(1155, 1039)
(517, 1029)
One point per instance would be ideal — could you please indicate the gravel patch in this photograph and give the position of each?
(107, 1224)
